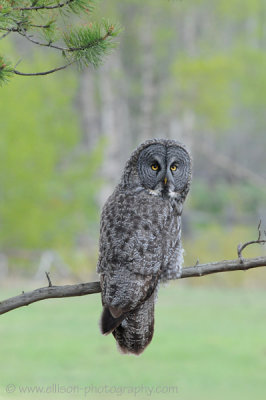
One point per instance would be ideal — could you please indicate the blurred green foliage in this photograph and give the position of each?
(204, 85)
(216, 86)
(48, 183)
(220, 199)
(217, 242)
(206, 60)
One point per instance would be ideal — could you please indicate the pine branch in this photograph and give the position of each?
(6, 71)
(85, 45)
(92, 44)
(68, 49)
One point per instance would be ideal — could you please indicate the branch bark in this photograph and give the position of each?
(43, 7)
(44, 72)
(83, 289)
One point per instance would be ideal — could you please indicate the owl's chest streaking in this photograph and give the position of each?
(139, 231)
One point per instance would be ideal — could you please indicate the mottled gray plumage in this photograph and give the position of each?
(140, 239)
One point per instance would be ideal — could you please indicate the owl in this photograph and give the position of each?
(140, 240)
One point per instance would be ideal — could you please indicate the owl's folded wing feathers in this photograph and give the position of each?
(121, 296)
(131, 254)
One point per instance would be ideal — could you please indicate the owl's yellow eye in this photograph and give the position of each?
(173, 167)
(155, 167)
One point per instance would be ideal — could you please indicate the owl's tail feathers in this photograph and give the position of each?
(136, 330)
(109, 321)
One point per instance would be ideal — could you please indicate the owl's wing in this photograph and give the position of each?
(123, 292)
(131, 255)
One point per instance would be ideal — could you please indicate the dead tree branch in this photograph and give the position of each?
(241, 247)
(49, 279)
(83, 289)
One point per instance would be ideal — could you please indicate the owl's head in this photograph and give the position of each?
(162, 167)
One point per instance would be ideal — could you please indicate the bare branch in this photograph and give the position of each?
(43, 7)
(241, 247)
(41, 26)
(259, 230)
(42, 73)
(40, 43)
(48, 278)
(5, 34)
(25, 299)
(17, 63)
(83, 289)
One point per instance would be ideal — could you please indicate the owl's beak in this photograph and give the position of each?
(165, 180)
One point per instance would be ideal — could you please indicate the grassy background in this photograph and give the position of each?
(209, 342)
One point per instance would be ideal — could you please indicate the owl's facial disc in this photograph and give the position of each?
(177, 169)
(164, 170)
(151, 166)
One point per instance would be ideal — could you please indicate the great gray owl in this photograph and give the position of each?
(140, 242)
